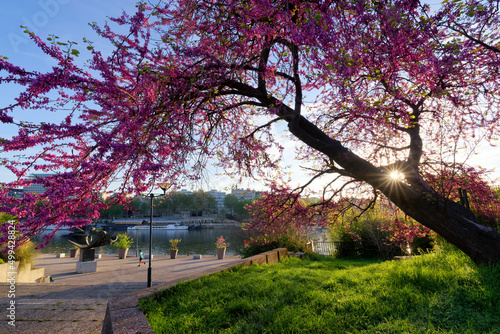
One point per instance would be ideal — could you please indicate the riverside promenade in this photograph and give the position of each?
(76, 303)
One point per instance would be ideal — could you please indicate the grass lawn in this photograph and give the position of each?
(434, 293)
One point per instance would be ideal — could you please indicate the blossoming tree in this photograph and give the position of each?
(368, 88)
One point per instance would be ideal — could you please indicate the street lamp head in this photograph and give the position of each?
(164, 190)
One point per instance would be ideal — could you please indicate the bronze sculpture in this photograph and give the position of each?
(94, 238)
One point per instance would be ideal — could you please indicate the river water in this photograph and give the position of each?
(201, 241)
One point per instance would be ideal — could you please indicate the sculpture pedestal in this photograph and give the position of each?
(87, 254)
(86, 267)
(87, 263)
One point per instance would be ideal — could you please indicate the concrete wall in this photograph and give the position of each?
(23, 275)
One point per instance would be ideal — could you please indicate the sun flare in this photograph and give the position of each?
(396, 176)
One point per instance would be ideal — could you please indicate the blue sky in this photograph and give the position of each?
(69, 20)
(66, 18)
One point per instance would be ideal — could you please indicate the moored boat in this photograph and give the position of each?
(159, 227)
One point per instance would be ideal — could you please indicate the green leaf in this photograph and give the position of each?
(75, 52)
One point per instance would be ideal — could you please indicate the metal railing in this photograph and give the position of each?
(323, 247)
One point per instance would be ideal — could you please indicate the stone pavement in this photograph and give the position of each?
(76, 303)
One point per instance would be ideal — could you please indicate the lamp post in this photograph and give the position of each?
(150, 239)
(151, 196)
(136, 242)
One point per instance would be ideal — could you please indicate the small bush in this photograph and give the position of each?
(26, 254)
(124, 241)
(422, 245)
(289, 242)
(370, 235)
(371, 241)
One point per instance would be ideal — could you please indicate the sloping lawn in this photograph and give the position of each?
(434, 293)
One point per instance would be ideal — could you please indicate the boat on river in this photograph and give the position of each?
(160, 227)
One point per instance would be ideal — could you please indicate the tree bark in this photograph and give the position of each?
(454, 223)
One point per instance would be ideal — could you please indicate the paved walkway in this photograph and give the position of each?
(76, 303)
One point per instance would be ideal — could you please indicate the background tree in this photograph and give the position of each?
(114, 211)
(194, 80)
(177, 202)
(202, 201)
(238, 207)
(287, 227)
(241, 209)
(231, 202)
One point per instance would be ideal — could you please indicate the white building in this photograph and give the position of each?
(245, 194)
(37, 188)
(219, 199)
(186, 192)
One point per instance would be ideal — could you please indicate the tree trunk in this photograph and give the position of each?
(453, 222)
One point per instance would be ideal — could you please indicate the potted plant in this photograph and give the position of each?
(221, 245)
(123, 244)
(173, 247)
(73, 251)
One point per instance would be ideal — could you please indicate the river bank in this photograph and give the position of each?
(198, 241)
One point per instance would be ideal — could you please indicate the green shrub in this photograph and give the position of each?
(422, 245)
(369, 237)
(26, 254)
(291, 243)
(372, 241)
(124, 241)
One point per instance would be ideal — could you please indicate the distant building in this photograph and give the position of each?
(16, 193)
(245, 194)
(185, 192)
(37, 188)
(219, 199)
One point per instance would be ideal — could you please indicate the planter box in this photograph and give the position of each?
(5, 269)
(60, 255)
(257, 259)
(173, 253)
(28, 275)
(221, 252)
(73, 252)
(122, 253)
